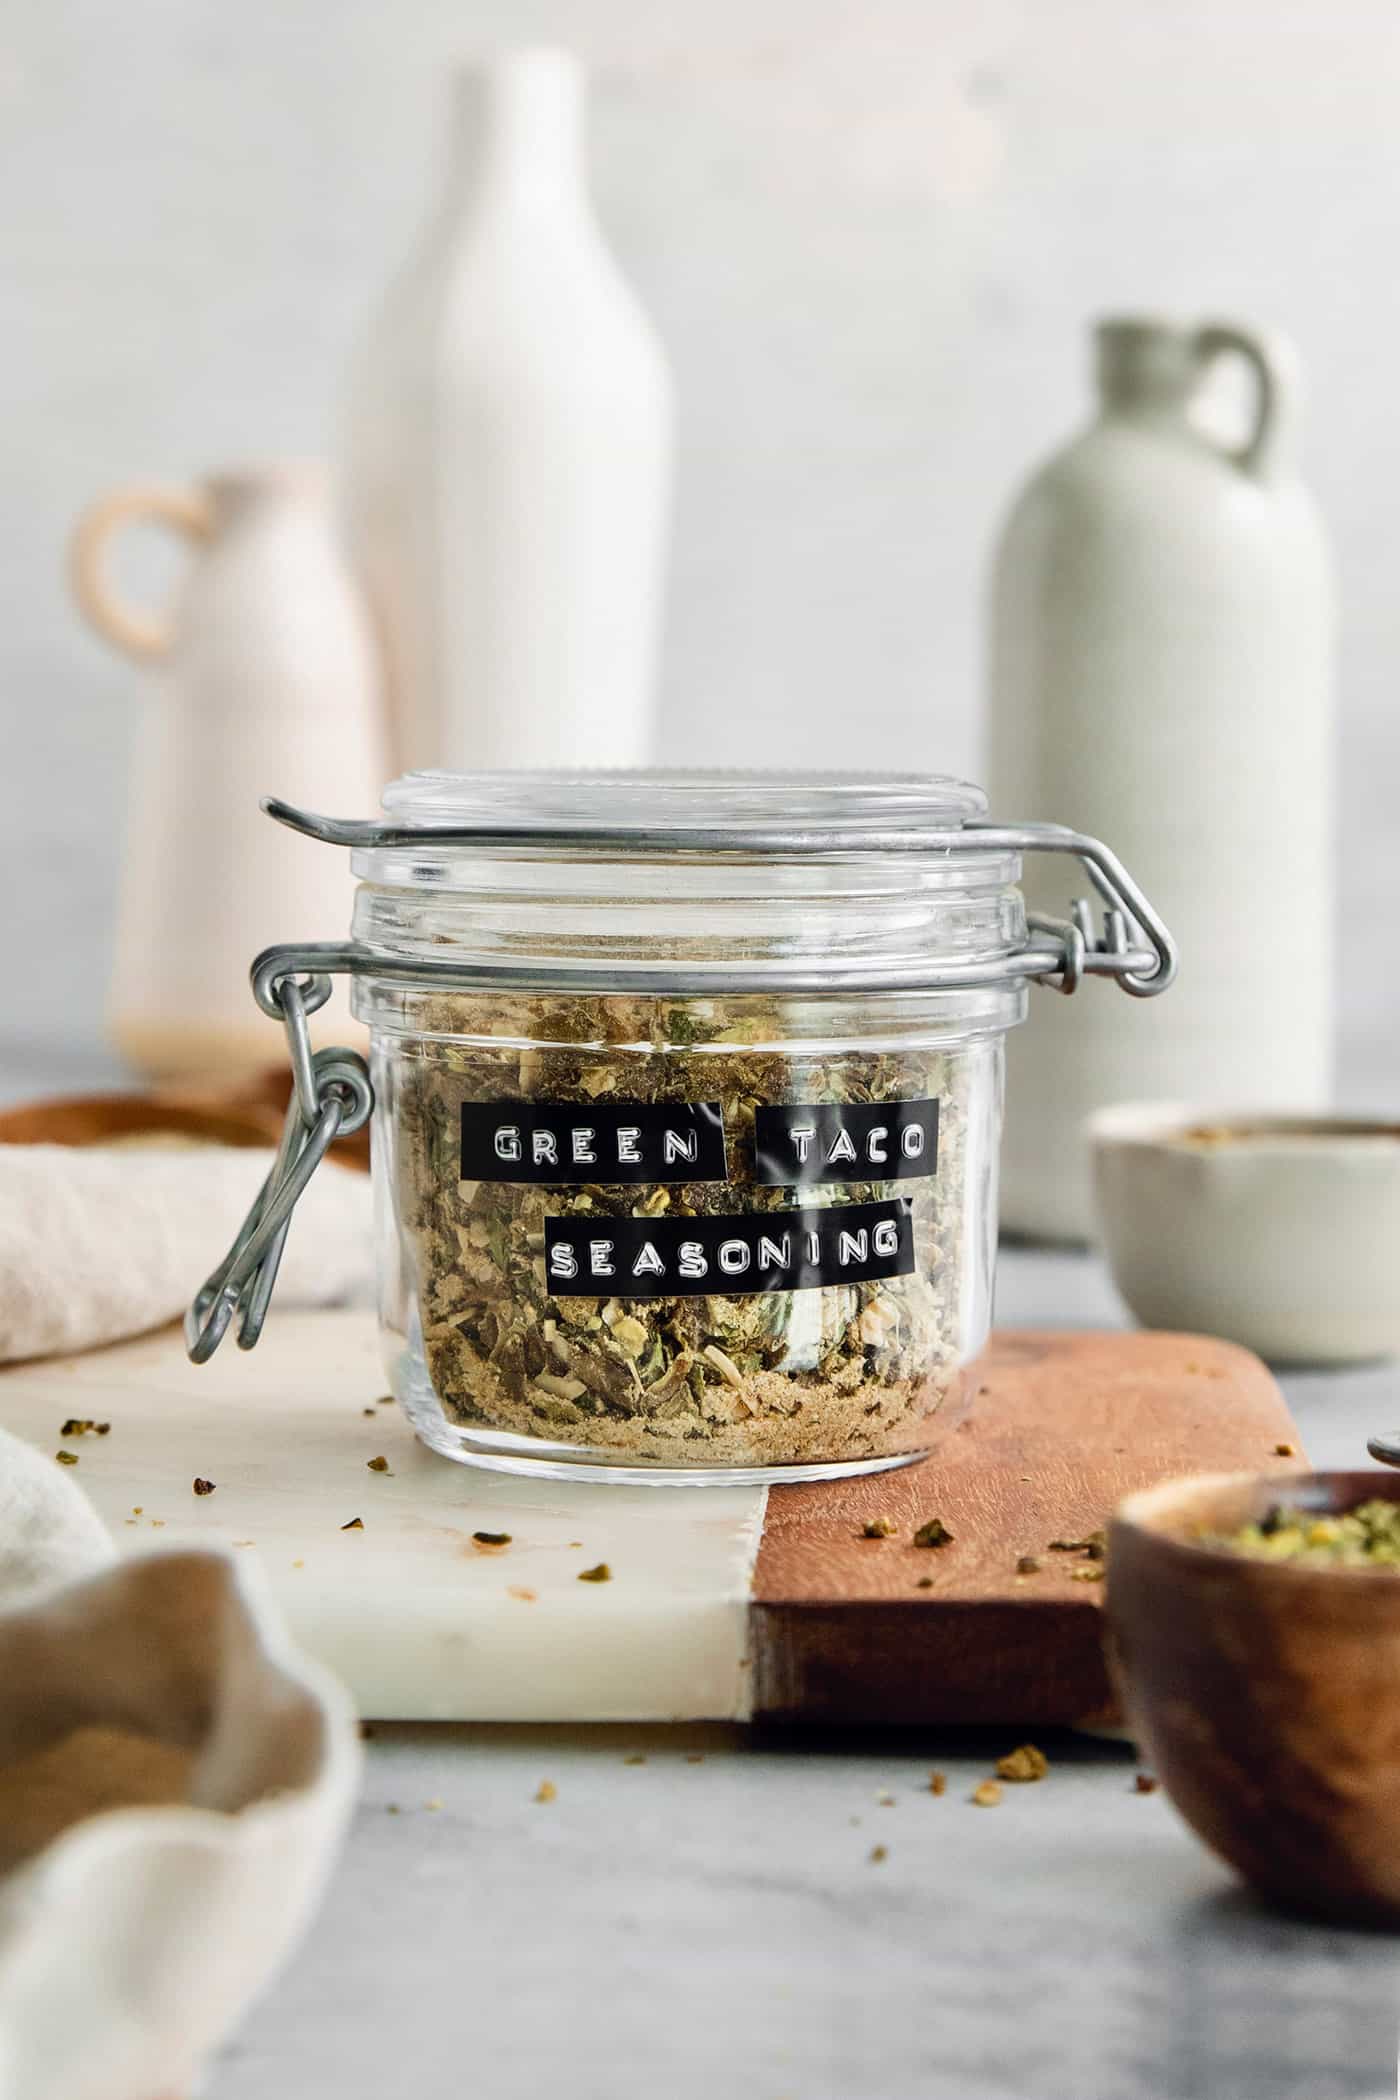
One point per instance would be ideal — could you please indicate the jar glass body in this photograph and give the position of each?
(734, 1230)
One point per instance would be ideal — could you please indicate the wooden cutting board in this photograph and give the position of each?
(721, 1603)
(854, 1630)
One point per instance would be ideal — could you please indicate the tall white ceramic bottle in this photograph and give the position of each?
(508, 454)
(1161, 675)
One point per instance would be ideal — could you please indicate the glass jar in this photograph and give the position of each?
(687, 1104)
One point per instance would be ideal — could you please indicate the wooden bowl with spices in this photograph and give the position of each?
(1254, 1626)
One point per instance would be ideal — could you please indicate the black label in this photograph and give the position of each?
(570, 1142)
(803, 1143)
(729, 1257)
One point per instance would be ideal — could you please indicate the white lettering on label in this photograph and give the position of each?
(911, 1140)
(853, 1246)
(562, 1260)
(648, 1262)
(599, 1262)
(774, 1254)
(692, 1260)
(627, 1153)
(583, 1153)
(802, 1135)
(543, 1148)
(841, 1148)
(874, 1149)
(680, 1145)
(885, 1237)
(507, 1141)
(733, 1257)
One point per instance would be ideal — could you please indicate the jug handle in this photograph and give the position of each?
(1274, 366)
(140, 634)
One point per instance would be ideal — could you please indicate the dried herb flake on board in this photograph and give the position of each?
(377, 1465)
(934, 1533)
(66, 1458)
(203, 1487)
(355, 1524)
(839, 1371)
(80, 1425)
(491, 1541)
(879, 1528)
(602, 1573)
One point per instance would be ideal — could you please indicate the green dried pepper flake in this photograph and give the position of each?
(934, 1533)
(377, 1465)
(843, 1371)
(1095, 1545)
(66, 1458)
(602, 1573)
(1367, 1536)
(879, 1528)
(80, 1425)
(491, 1541)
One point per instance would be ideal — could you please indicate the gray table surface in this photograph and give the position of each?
(711, 1922)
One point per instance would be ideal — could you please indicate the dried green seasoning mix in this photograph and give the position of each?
(845, 1371)
(1365, 1537)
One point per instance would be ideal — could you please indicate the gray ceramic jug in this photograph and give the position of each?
(1160, 674)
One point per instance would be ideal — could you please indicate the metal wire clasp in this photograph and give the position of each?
(331, 1097)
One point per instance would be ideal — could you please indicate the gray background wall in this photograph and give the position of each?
(872, 237)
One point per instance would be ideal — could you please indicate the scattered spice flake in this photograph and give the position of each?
(298, 1563)
(934, 1533)
(368, 1411)
(355, 1524)
(157, 1523)
(385, 1400)
(987, 1795)
(884, 1800)
(1144, 1783)
(1023, 1765)
(925, 1582)
(575, 1542)
(391, 1808)
(1028, 1565)
(79, 1425)
(377, 1465)
(938, 1782)
(879, 1528)
(203, 1487)
(879, 1854)
(1091, 1572)
(66, 1458)
(602, 1573)
(434, 1804)
(547, 1791)
(637, 1758)
(243, 1542)
(491, 1541)
(1095, 1545)
(518, 1589)
(1285, 1451)
(136, 1510)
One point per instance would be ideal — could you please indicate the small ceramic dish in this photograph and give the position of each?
(1280, 1232)
(1266, 1693)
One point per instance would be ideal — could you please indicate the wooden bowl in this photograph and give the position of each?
(1267, 1695)
(242, 1112)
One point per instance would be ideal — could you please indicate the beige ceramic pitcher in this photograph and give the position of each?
(265, 683)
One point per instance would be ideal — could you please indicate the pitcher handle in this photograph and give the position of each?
(140, 634)
(1274, 365)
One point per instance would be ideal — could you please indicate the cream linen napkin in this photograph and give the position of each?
(174, 1783)
(100, 1242)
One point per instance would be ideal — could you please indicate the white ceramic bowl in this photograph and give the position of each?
(1280, 1232)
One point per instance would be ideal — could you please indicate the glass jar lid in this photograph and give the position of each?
(697, 809)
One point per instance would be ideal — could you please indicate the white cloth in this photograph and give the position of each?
(98, 1242)
(174, 1782)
